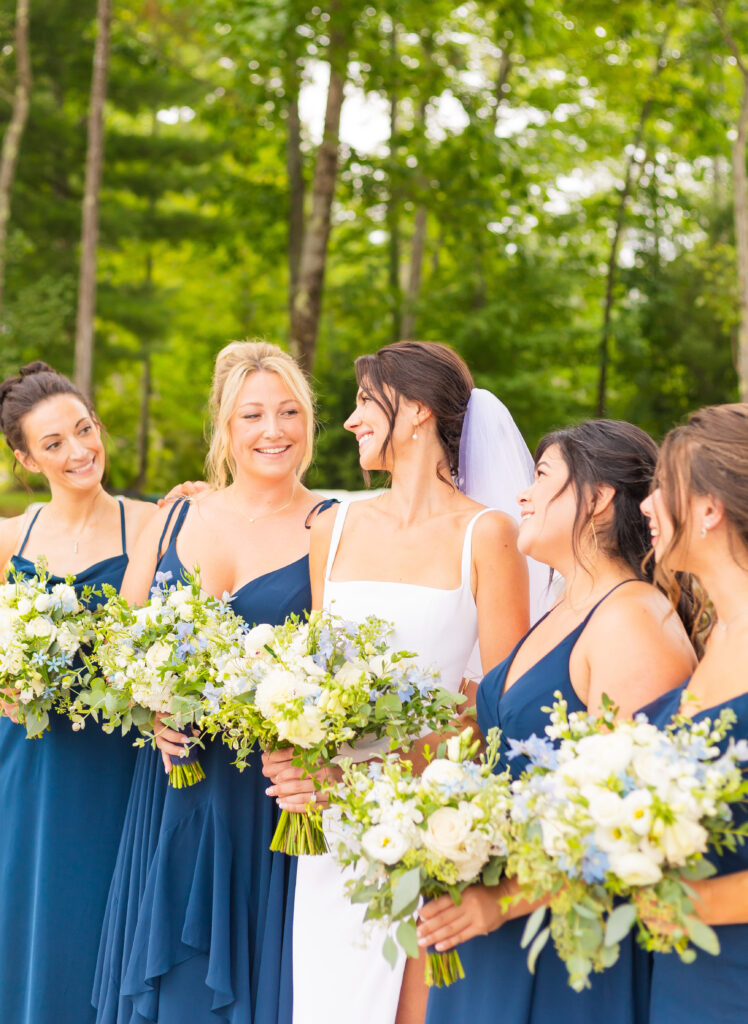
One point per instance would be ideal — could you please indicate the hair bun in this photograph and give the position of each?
(36, 367)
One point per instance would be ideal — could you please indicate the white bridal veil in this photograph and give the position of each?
(495, 465)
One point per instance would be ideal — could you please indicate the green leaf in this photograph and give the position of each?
(702, 935)
(532, 926)
(36, 726)
(406, 891)
(389, 702)
(619, 924)
(407, 936)
(537, 947)
(389, 949)
(492, 871)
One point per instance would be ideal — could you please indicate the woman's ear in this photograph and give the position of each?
(604, 495)
(26, 460)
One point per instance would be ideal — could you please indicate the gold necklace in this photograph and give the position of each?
(273, 511)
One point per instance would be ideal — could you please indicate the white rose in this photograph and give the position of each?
(442, 772)
(24, 606)
(605, 806)
(649, 767)
(385, 843)
(258, 638)
(278, 687)
(309, 667)
(351, 673)
(304, 731)
(42, 603)
(447, 829)
(378, 663)
(635, 868)
(604, 755)
(8, 620)
(681, 839)
(157, 654)
(65, 597)
(42, 628)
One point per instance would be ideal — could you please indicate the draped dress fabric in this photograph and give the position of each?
(712, 988)
(208, 934)
(63, 804)
(339, 977)
(498, 987)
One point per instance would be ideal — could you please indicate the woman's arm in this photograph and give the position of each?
(144, 558)
(501, 586)
(11, 531)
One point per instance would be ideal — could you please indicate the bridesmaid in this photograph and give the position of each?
(610, 633)
(64, 795)
(197, 925)
(446, 571)
(699, 521)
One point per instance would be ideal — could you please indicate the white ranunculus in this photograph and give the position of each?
(605, 806)
(635, 868)
(442, 772)
(41, 628)
(257, 638)
(650, 768)
(681, 839)
(42, 603)
(447, 830)
(24, 606)
(385, 843)
(279, 687)
(638, 810)
(304, 731)
(157, 654)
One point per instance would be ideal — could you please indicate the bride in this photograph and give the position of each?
(446, 571)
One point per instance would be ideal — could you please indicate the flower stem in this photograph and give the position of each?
(442, 969)
(183, 775)
(299, 834)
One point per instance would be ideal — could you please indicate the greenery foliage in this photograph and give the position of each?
(517, 125)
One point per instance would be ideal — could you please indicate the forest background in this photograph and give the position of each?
(557, 189)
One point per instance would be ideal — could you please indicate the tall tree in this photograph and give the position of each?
(307, 303)
(16, 125)
(84, 327)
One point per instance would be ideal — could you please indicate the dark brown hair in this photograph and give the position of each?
(35, 383)
(621, 456)
(425, 372)
(707, 455)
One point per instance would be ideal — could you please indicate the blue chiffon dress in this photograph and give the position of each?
(498, 987)
(63, 804)
(712, 988)
(200, 922)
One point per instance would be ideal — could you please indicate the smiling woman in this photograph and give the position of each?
(64, 795)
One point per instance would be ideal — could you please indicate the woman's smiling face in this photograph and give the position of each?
(548, 510)
(64, 443)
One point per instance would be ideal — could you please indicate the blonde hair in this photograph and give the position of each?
(234, 364)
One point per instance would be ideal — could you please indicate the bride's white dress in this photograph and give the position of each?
(339, 977)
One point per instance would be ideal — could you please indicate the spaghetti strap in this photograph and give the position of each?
(335, 538)
(172, 510)
(605, 597)
(28, 532)
(122, 525)
(321, 506)
(467, 547)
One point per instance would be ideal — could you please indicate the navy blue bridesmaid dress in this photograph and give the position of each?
(498, 987)
(63, 804)
(712, 988)
(209, 938)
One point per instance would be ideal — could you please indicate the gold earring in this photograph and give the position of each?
(594, 533)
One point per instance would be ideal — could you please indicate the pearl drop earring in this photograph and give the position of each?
(415, 431)
(703, 532)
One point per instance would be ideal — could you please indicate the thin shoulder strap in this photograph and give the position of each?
(337, 530)
(320, 507)
(467, 547)
(122, 524)
(28, 532)
(605, 597)
(182, 505)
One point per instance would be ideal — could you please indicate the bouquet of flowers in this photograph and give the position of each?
(42, 629)
(318, 684)
(411, 837)
(175, 655)
(613, 824)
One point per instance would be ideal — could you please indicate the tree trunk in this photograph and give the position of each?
(393, 220)
(307, 302)
(90, 229)
(16, 125)
(414, 276)
(144, 423)
(612, 266)
(295, 170)
(740, 187)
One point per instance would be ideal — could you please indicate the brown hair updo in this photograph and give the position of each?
(426, 372)
(35, 383)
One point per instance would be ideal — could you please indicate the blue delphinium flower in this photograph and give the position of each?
(538, 750)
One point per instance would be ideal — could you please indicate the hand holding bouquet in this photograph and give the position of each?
(175, 655)
(42, 629)
(613, 824)
(316, 685)
(412, 837)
